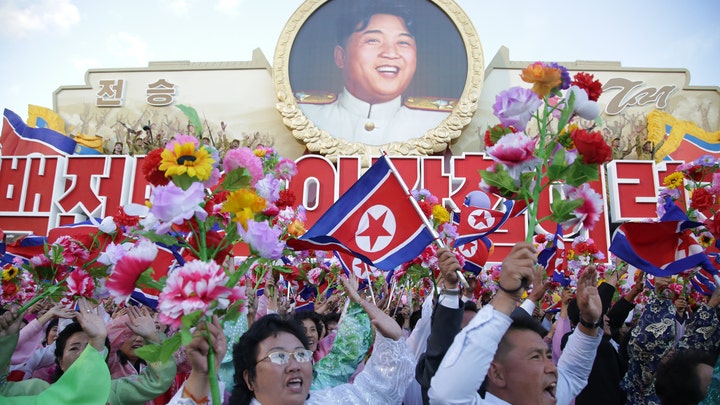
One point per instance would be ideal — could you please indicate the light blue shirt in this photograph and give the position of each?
(468, 359)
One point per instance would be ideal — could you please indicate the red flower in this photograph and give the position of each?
(592, 146)
(9, 290)
(701, 199)
(713, 225)
(150, 168)
(587, 82)
(287, 199)
(426, 208)
(123, 219)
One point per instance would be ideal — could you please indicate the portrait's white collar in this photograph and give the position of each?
(358, 107)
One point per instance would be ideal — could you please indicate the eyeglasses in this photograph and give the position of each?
(281, 358)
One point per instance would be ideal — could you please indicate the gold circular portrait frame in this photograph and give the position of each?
(433, 141)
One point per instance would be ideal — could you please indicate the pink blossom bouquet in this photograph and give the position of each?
(67, 269)
(562, 150)
(202, 206)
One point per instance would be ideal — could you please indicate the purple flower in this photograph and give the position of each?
(263, 239)
(173, 205)
(705, 160)
(564, 75)
(268, 188)
(515, 106)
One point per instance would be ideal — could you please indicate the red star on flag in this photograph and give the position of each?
(375, 229)
(481, 219)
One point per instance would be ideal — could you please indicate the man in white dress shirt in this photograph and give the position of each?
(516, 360)
(378, 56)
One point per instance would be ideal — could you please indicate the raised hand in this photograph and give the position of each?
(93, 324)
(142, 323)
(385, 325)
(10, 322)
(449, 265)
(518, 269)
(588, 299)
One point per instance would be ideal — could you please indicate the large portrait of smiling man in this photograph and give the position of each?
(354, 77)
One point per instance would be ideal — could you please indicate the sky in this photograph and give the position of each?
(45, 44)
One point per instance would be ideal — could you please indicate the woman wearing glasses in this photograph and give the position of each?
(274, 366)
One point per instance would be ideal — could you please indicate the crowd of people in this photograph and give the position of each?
(455, 347)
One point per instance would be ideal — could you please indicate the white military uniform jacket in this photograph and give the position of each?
(354, 120)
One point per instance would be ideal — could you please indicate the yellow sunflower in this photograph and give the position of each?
(10, 273)
(673, 180)
(243, 204)
(186, 159)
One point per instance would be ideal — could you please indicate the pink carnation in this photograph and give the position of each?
(516, 152)
(244, 157)
(80, 284)
(313, 276)
(589, 212)
(128, 269)
(72, 252)
(193, 287)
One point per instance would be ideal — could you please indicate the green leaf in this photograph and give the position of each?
(185, 336)
(232, 313)
(150, 352)
(579, 173)
(166, 239)
(236, 179)
(562, 209)
(183, 181)
(566, 111)
(146, 280)
(557, 166)
(153, 352)
(500, 179)
(191, 319)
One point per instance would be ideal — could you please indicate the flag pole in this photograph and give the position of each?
(425, 219)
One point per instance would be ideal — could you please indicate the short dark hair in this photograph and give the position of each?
(245, 352)
(300, 316)
(60, 343)
(519, 323)
(52, 323)
(356, 15)
(470, 306)
(676, 379)
(330, 318)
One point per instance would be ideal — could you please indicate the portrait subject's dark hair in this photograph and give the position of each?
(676, 379)
(356, 15)
(245, 351)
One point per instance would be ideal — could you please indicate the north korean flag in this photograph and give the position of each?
(17, 139)
(554, 259)
(375, 221)
(661, 248)
(476, 222)
(476, 254)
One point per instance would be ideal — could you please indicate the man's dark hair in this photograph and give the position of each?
(300, 316)
(676, 379)
(521, 320)
(470, 306)
(245, 352)
(356, 15)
